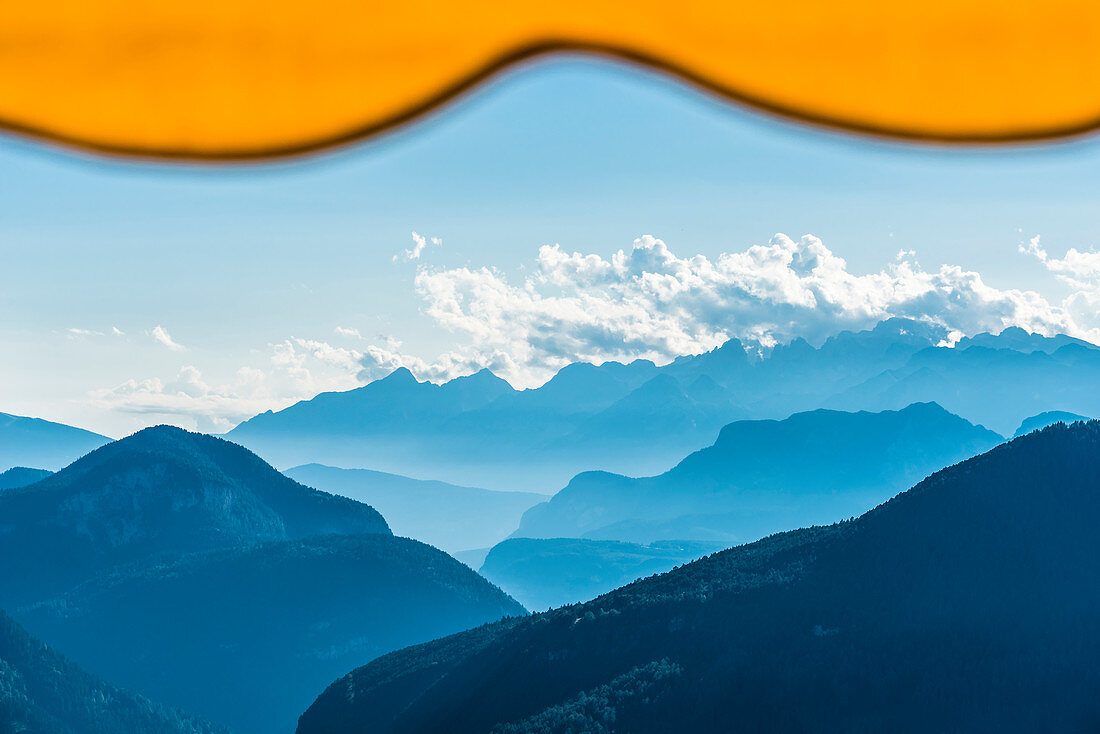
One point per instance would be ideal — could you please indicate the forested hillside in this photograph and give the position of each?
(160, 491)
(41, 692)
(185, 568)
(969, 603)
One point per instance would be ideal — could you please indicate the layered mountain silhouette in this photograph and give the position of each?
(475, 428)
(969, 603)
(41, 692)
(640, 418)
(36, 442)
(185, 568)
(447, 516)
(997, 387)
(21, 476)
(761, 477)
(662, 411)
(544, 573)
(249, 636)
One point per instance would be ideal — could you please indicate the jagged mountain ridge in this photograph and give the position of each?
(996, 387)
(610, 417)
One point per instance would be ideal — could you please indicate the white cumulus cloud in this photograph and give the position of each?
(296, 369)
(188, 396)
(75, 332)
(652, 303)
(420, 243)
(161, 336)
(1080, 270)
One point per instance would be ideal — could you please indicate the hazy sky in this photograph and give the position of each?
(132, 294)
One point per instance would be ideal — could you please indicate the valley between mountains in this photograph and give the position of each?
(880, 532)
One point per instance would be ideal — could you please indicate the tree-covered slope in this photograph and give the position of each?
(969, 603)
(42, 692)
(185, 568)
(161, 491)
(760, 477)
(249, 636)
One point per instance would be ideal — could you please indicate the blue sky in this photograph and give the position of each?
(232, 263)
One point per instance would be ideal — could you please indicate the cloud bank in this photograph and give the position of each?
(295, 369)
(648, 302)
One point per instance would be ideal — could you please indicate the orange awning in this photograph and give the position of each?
(224, 79)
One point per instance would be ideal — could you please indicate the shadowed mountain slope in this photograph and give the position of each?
(969, 603)
(41, 692)
(184, 567)
(21, 476)
(162, 490)
(249, 636)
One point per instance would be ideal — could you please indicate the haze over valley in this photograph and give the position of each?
(186, 569)
(530, 419)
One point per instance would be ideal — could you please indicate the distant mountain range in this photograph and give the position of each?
(1048, 418)
(995, 387)
(43, 693)
(639, 419)
(553, 572)
(184, 567)
(761, 477)
(969, 603)
(40, 443)
(21, 476)
(447, 516)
